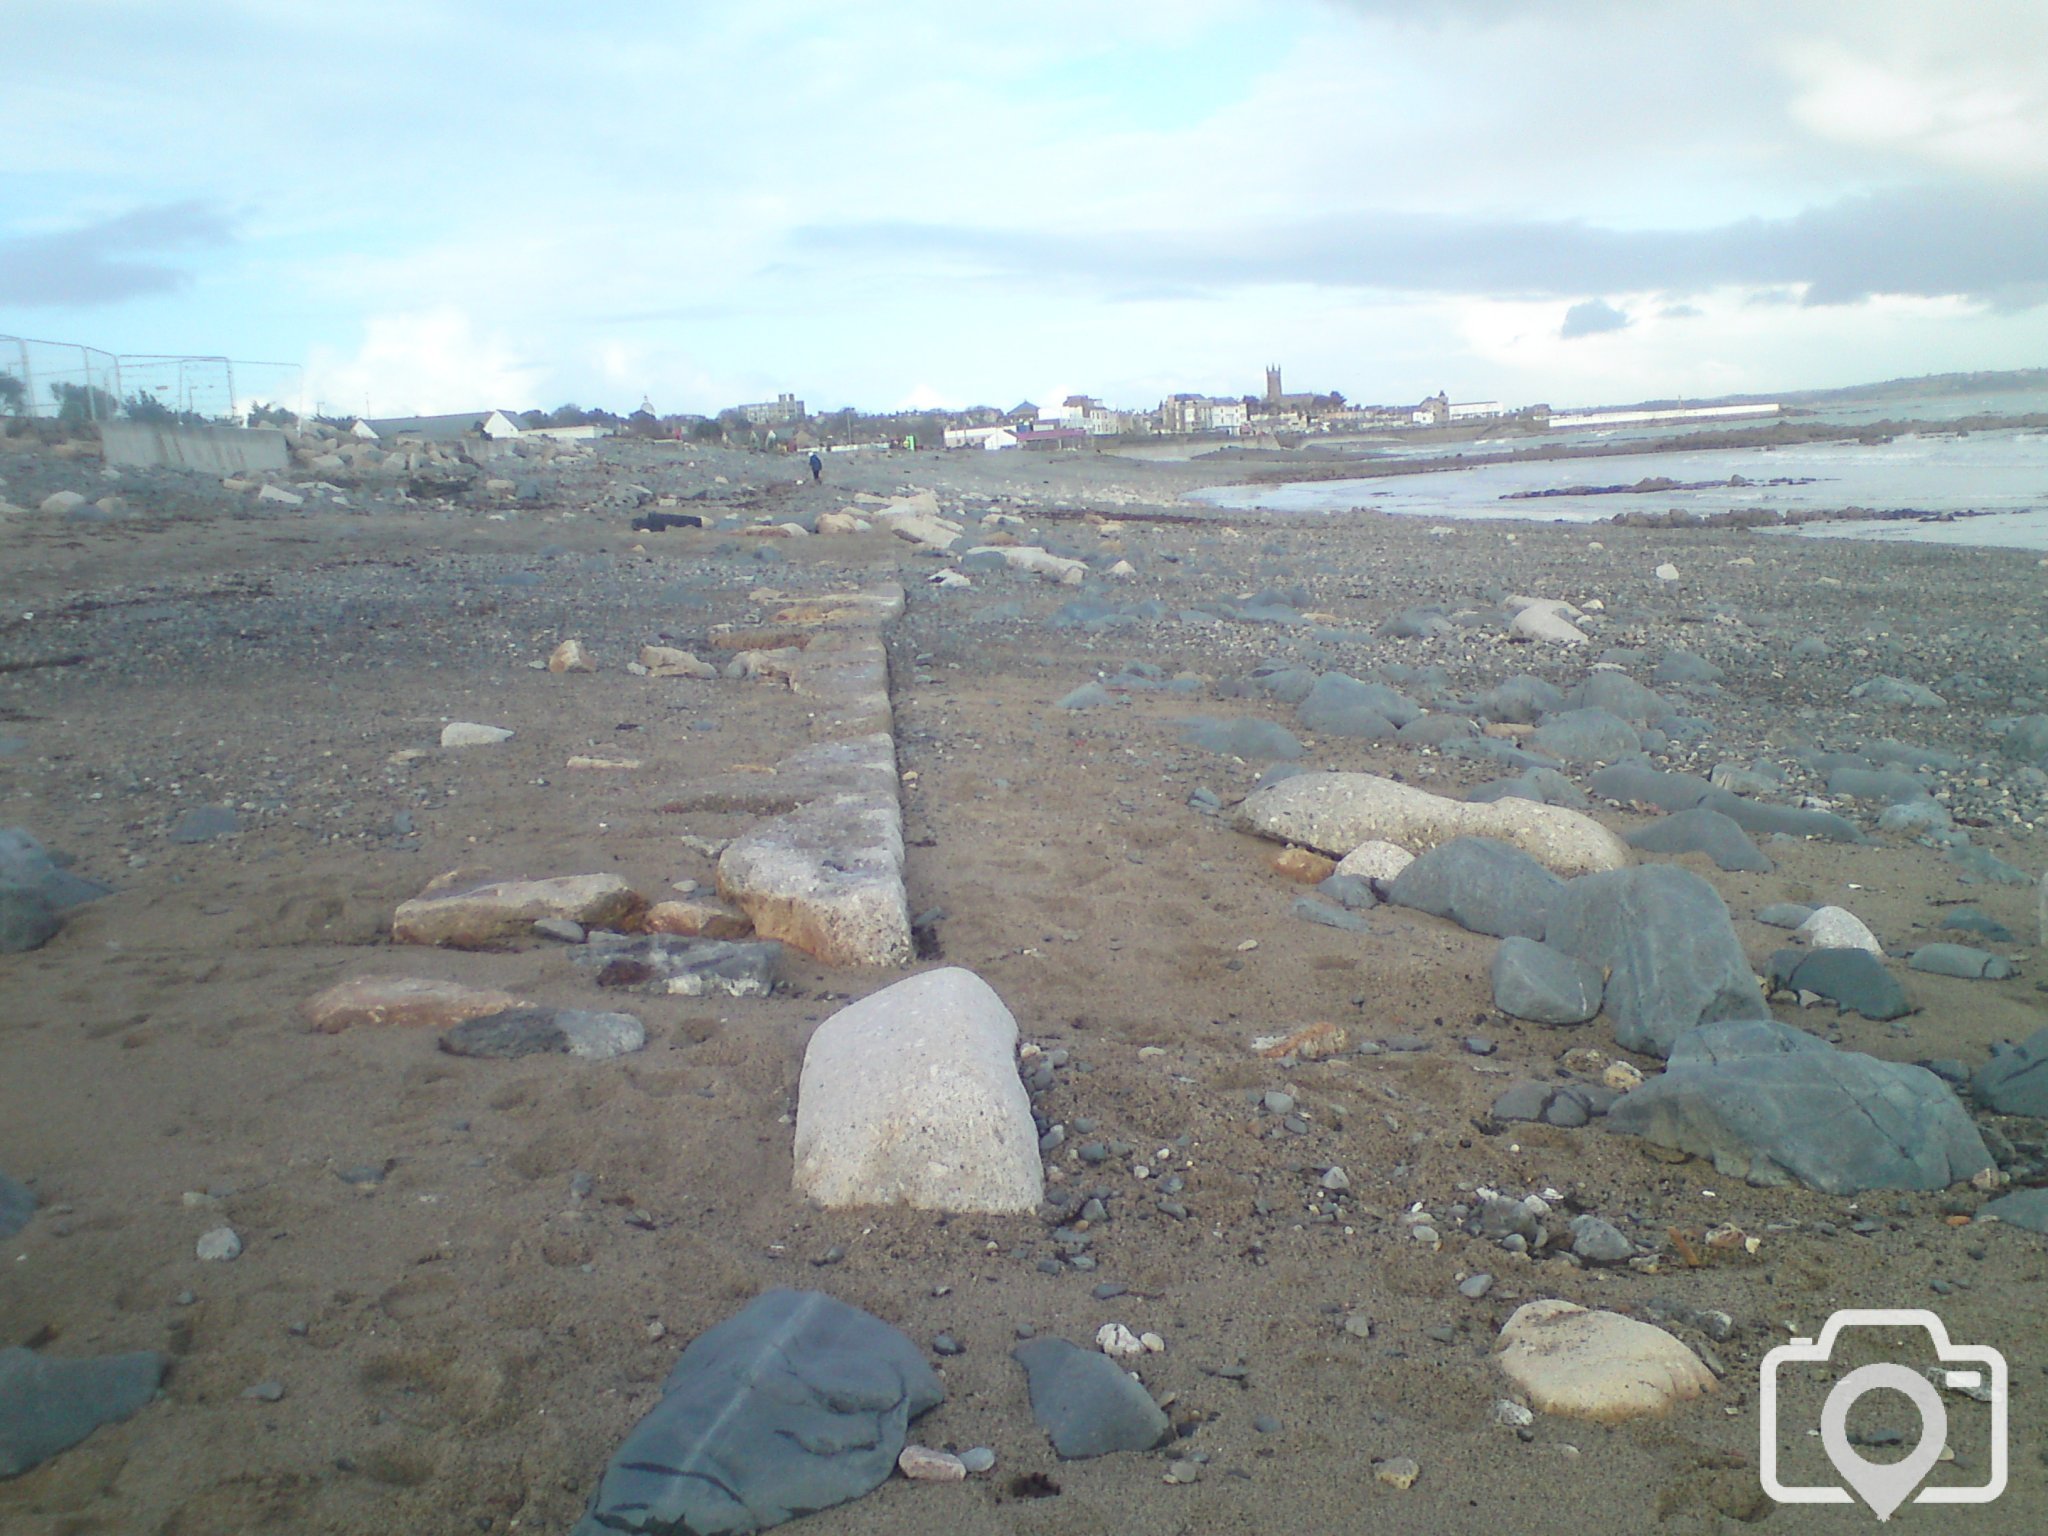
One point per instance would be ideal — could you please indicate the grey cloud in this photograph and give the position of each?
(1591, 318)
(119, 258)
(1680, 312)
(1923, 240)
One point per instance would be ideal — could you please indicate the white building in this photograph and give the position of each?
(980, 437)
(1475, 410)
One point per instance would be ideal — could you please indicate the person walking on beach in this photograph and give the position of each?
(817, 469)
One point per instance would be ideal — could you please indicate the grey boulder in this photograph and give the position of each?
(17, 1205)
(2026, 1208)
(36, 890)
(1240, 738)
(1854, 980)
(2015, 1080)
(1543, 985)
(1585, 736)
(47, 1405)
(1086, 1402)
(515, 1032)
(797, 1403)
(1769, 1104)
(1481, 884)
(1665, 940)
(1700, 830)
(1962, 960)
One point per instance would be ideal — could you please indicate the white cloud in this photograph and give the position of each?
(423, 363)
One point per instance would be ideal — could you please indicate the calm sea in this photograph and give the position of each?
(2001, 474)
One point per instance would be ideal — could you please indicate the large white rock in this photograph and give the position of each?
(911, 1097)
(1839, 928)
(826, 879)
(1039, 562)
(1547, 621)
(1596, 1365)
(467, 733)
(1336, 812)
(484, 916)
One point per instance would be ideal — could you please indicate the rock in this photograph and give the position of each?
(668, 661)
(538, 1031)
(1086, 1402)
(560, 929)
(1521, 700)
(36, 889)
(499, 912)
(798, 1403)
(1767, 1102)
(1665, 940)
(921, 1464)
(1350, 892)
(1600, 1242)
(204, 823)
(697, 917)
(1838, 928)
(1340, 918)
(1547, 624)
(1523, 1101)
(1303, 866)
(2015, 1080)
(1339, 705)
(62, 501)
(49, 1405)
(1398, 1472)
(911, 1097)
(223, 1245)
(281, 496)
(572, 656)
(1961, 960)
(1087, 696)
(1585, 736)
(2026, 1208)
(1336, 812)
(1700, 830)
(1680, 667)
(1039, 562)
(1896, 693)
(1378, 861)
(412, 1002)
(1482, 885)
(466, 733)
(1620, 695)
(1854, 980)
(17, 1205)
(978, 1460)
(1970, 920)
(668, 966)
(1543, 985)
(1250, 739)
(1666, 572)
(1596, 1365)
(827, 879)
(1784, 914)
(1118, 1342)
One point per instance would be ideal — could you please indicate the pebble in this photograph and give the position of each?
(560, 929)
(930, 1466)
(1109, 1290)
(1472, 1287)
(1397, 1471)
(978, 1460)
(265, 1392)
(1118, 1342)
(1511, 1415)
(1336, 1179)
(1278, 1103)
(1266, 1424)
(1183, 1472)
(946, 1344)
(219, 1246)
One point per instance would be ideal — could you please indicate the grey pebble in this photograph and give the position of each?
(978, 1460)
(1472, 1287)
(946, 1344)
(1266, 1424)
(265, 1392)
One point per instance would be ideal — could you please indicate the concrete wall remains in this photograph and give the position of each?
(214, 450)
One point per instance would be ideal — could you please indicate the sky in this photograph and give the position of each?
(429, 205)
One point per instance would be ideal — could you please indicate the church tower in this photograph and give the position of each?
(1273, 390)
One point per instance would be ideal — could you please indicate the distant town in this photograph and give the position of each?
(1276, 417)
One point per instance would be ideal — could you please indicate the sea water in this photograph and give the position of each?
(2003, 473)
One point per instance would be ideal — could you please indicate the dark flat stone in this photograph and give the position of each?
(1086, 1402)
(49, 1405)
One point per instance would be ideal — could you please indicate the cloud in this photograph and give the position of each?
(104, 263)
(1924, 241)
(1680, 312)
(424, 362)
(1591, 318)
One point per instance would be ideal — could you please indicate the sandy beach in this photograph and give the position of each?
(469, 1278)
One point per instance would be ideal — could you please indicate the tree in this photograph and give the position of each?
(705, 430)
(13, 396)
(83, 402)
(571, 415)
(146, 407)
(262, 414)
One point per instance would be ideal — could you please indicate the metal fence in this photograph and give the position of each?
(66, 381)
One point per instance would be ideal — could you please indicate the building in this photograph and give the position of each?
(1277, 402)
(1433, 412)
(782, 411)
(1195, 414)
(980, 437)
(440, 429)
